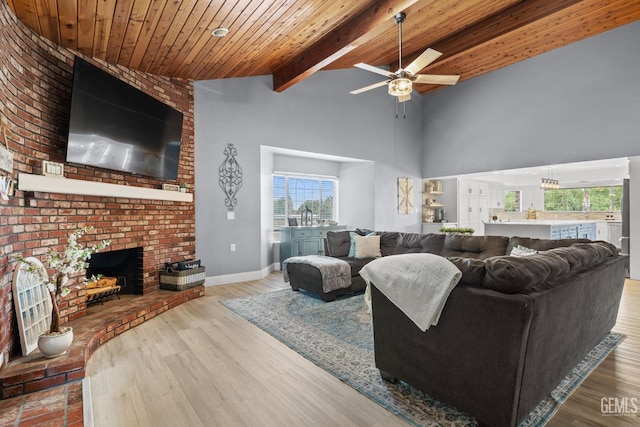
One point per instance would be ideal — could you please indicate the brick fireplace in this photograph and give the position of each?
(124, 264)
(35, 89)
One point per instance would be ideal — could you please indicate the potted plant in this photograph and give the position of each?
(67, 266)
(183, 187)
(457, 230)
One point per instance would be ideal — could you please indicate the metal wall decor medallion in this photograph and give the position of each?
(230, 174)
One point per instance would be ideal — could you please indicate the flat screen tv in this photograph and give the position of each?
(115, 126)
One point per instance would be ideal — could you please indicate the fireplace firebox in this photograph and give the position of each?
(124, 264)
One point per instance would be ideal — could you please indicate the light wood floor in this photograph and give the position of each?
(199, 364)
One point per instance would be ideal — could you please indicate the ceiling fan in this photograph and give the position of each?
(401, 82)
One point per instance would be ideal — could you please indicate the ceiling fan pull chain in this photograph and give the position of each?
(404, 108)
(399, 19)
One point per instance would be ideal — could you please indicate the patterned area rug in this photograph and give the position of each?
(338, 337)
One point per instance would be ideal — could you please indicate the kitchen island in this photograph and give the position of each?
(542, 229)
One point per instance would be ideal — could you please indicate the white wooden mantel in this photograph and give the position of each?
(47, 184)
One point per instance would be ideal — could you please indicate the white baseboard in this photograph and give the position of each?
(226, 279)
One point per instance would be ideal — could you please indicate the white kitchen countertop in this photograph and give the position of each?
(542, 222)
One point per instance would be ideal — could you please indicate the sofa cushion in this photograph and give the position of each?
(479, 247)
(585, 255)
(356, 264)
(511, 275)
(418, 243)
(472, 270)
(388, 242)
(541, 244)
(338, 243)
(367, 246)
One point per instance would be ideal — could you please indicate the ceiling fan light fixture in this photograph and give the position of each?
(400, 83)
(220, 32)
(400, 86)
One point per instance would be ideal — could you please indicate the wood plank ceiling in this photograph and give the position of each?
(291, 39)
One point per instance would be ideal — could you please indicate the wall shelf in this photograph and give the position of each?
(46, 184)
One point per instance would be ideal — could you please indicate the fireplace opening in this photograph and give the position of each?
(124, 264)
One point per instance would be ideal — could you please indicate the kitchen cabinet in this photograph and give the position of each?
(602, 232)
(587, 230)
(543, 229)
(473, 205)
(614, 233)
(473, 188)
(300, 241)
(496, 196)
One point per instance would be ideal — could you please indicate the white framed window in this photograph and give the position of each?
(583, 199)
(292, 193)
(512, 201)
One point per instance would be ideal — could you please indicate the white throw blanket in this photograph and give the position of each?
(335, 273)
(418, 284)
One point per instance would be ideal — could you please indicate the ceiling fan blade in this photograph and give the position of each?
(436, 79)
(425, 58)
(403, 98)
(373, 69)
(366, 88)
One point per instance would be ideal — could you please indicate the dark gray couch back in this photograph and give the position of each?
(479, 247)
(484, 260)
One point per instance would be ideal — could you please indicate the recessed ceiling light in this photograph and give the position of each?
(220, 32)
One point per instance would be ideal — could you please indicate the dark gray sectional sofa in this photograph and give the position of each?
(511, 329)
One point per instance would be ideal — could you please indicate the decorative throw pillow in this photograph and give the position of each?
(522, 251)
(352, 248)
(367, 246)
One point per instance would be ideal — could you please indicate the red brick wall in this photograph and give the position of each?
(35, 90)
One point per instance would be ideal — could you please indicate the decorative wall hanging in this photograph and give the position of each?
(7, 187)
(230, 174)
(32, 304)
(405, 196)
(6, 157)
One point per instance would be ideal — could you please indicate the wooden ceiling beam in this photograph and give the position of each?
(338, 43)
(539, 37)
(506, 21)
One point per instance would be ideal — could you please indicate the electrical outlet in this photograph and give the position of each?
(233, 247)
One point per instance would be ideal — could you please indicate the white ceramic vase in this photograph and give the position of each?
(56, 344)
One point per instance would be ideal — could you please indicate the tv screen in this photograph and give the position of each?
(115, 126)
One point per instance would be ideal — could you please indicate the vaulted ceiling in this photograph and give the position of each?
(292, 39)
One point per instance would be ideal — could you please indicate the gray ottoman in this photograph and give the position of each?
(324, 276)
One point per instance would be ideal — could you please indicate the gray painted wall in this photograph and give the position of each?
(293, 164)
(358, 194)
(580, 102)
(317, 115)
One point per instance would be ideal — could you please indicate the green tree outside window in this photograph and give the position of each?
(586, 199)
